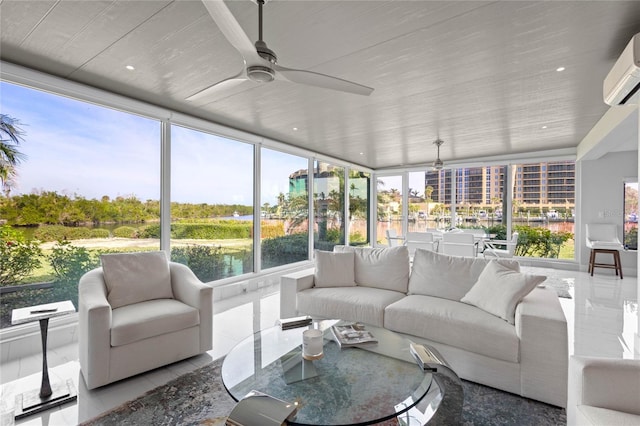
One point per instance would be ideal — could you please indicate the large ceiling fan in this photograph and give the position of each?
(260, 62)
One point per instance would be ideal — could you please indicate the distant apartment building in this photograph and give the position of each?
(538, 184)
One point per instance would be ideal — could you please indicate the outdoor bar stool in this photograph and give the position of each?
(602, 238)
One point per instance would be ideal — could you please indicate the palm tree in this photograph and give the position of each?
(10, 137)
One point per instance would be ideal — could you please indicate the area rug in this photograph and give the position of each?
(560, 284)
(199, 398)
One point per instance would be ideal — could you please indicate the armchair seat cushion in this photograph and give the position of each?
(143, 320)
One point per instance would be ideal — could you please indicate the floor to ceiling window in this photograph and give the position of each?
(359, 208)
(284, 208)
(389, 202)
(88, 182)
(543, 209)
(437, 192)
(211, 203)
(630, 225)
(328, 198)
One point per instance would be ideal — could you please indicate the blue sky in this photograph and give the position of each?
(74, 147)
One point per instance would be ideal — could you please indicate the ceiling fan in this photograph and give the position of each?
(260, 62)
(438, 164)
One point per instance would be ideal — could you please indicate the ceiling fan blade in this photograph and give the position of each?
(232, 30)
(221, 89)
(311, 78)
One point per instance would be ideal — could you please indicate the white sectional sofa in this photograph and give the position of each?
(492, 323)
(603, 391)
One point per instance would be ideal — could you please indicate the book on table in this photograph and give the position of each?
(295, 322)
(258, 408)
(347, 335)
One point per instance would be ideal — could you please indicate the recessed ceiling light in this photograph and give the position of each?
(130, 67)
(559, 69)
(362, 153)
(295, 129)
(544, 127)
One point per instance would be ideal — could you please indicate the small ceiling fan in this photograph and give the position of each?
(438, 164)
(260, 62)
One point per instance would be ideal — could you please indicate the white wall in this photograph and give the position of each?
(602, 200)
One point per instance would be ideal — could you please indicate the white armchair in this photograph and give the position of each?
(603, 391)
(139, 312)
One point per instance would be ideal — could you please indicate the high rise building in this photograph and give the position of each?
(537, 184)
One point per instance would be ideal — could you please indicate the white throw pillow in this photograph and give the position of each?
(136, 277)
(334, 269)
(448, 277)
(499, 290)
(386, 268)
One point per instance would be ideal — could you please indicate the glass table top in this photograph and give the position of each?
(356, 385)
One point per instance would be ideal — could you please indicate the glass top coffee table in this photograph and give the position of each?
(357, 385)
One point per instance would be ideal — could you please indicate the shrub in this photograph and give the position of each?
(149, 231)
(356, 238)
(631, 238)
(219, 230)
(272, 230)
(59, 233)
(70, 262)
(539, 242)
(126, 232)
(99, 233)
(283, 250)
(18, 257)
(206, 262)
(533, 241)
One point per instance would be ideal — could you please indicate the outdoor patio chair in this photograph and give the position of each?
(493, 248)
(458, 244)
(423, 240)
(393, 239)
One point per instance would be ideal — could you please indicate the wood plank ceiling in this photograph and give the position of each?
(481, 75)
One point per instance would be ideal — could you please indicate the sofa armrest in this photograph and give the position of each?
(94, 328)
(544, 348)
(290, 285)
(613, 384)
(188, 289)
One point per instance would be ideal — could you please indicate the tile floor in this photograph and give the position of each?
(602, 319)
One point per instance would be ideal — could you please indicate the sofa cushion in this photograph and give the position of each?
(136, 277)
(588, 415)
(334, 269)
(132, 323)
(364, 304)
(455, 324)
(449, 277)
(499, 290)
(385, 268)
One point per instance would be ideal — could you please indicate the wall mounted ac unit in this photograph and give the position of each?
(622, 84)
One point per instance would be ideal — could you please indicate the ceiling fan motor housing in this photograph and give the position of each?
(261, 74)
